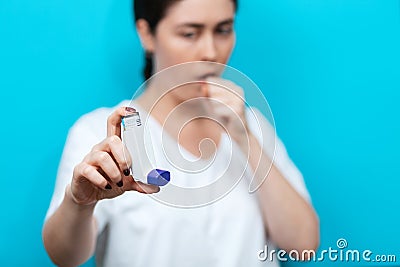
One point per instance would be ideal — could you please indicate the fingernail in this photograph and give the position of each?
(129, 109)
(127, 172)
(108, 187)
(120, 183)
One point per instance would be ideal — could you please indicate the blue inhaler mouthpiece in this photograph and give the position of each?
(141, 152)
(158, 177)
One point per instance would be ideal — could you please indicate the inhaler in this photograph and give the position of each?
(142, 153)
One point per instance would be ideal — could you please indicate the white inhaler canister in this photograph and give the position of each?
(133, 136)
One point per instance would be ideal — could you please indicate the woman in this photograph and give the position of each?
(91, 212)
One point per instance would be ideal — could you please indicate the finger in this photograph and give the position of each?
(219, 101)
(106, 163)
(226, 94)
(118, 151)
(114, 120)
(91, 174)
(223, 86)
(131, 185)
(146, 188)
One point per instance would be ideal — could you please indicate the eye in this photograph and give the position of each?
(224, 30)
(188, 35)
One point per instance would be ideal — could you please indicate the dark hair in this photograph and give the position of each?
(153, 11)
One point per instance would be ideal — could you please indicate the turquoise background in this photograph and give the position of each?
(330, 70)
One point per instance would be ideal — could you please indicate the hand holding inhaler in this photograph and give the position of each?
(104, 171)
(141, 151)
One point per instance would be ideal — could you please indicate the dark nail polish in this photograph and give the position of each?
(108, 187)
(127, 172)
(120, 183)
(129, 109)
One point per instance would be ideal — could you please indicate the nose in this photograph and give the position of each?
(208, 48)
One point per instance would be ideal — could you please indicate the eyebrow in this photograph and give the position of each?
(200, 26)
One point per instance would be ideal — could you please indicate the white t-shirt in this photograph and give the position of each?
(137, 230)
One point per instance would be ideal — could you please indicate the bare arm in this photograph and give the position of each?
(289, 219)
(69, 235)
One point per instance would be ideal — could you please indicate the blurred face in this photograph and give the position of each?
(194, 30)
